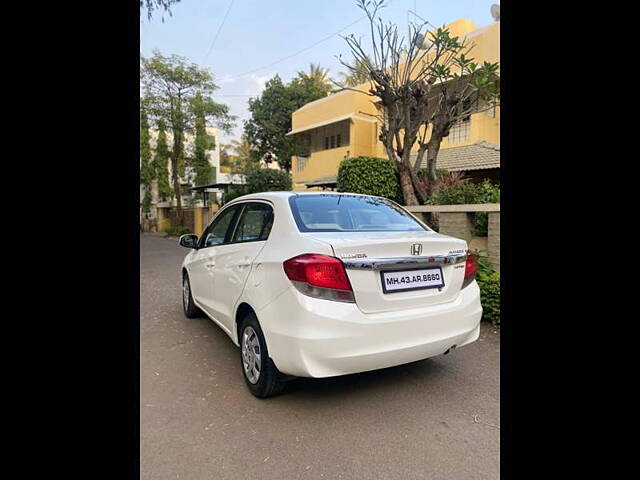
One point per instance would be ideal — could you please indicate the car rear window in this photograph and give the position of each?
(350, 213)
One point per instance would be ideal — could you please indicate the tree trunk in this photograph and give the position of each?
(175, 170)
(419, 189)
(407, 185)
(432, 156)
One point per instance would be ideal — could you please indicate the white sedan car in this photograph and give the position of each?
(323, 284)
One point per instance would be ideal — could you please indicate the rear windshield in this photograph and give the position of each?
(350, 213)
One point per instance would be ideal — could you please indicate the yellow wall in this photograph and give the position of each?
(320, 164)
(363, 133)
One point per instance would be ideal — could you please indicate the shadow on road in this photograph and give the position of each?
(369, 383)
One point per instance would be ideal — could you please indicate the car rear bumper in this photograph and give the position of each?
(311, 337)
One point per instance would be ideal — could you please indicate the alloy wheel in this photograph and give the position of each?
(251, 355)
(185, 293)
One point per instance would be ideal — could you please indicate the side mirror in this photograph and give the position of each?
(189, 240)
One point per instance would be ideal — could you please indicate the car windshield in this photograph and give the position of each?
(350, 213)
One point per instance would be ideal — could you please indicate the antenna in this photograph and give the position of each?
(495, 12)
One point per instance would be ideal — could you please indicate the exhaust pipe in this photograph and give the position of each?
(453, 347)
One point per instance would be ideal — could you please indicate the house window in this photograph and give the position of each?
(460, 132)
(301, 163)
(326, 143)
(333, 141)
(338, 140)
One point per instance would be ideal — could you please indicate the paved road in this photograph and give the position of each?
(198, 420)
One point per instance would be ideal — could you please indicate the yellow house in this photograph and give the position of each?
(344, 125)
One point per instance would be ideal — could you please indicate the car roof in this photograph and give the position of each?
(287, 194)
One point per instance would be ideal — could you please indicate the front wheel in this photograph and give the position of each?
(260, 374)
(190, 309)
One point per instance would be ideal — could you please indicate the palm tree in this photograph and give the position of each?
(244, 159)
(226, 159)
(356, 74)
(316, 73)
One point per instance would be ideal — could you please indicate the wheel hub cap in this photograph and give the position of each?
(251, 359)
(185, 293)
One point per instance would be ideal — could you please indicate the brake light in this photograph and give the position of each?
(319, 276)
(470, 268)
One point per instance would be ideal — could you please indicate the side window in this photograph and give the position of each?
(219, 231)
(255, 223)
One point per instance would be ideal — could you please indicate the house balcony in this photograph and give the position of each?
(317, 165)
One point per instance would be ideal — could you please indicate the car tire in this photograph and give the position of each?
(256, 363)
(189, 307)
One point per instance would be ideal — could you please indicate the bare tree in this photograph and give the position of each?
(424, 81)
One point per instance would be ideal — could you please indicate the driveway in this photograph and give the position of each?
(434, 419)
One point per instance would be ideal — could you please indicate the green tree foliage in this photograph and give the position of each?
(202, 143)
(267, 180)
(489, 282)
(316, 75)
(147, 173)
(170, 86)
(161, 164)
(151, 5)
(226, 158)
(271, 116)
(370, 176)
(234, 192)
(245, 159)
(470, 193)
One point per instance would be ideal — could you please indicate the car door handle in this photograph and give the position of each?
(245, 264)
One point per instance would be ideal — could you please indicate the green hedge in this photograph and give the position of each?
(369, 176)
(489, 282)
(268, 180)
(467, 192)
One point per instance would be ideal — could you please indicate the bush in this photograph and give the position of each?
(234, 192)
(489, 282)
(369, 176)
(267, 180)
(461, 193)
(177, 231)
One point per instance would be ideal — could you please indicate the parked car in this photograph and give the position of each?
(324, 284)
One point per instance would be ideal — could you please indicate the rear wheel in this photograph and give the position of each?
(260, 374)
(190, 309)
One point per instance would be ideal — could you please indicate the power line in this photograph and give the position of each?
(300, 51)
(218, 32)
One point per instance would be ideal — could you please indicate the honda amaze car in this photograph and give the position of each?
(324, 284)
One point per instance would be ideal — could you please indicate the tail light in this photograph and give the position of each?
(470, 268)
(319, 276)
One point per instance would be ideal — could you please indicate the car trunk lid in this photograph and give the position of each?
(370, 257)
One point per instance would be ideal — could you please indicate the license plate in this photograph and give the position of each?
(406, 280)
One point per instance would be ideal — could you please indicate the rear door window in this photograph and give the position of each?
(255, 223)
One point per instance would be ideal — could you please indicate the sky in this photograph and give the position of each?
(258, 38)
